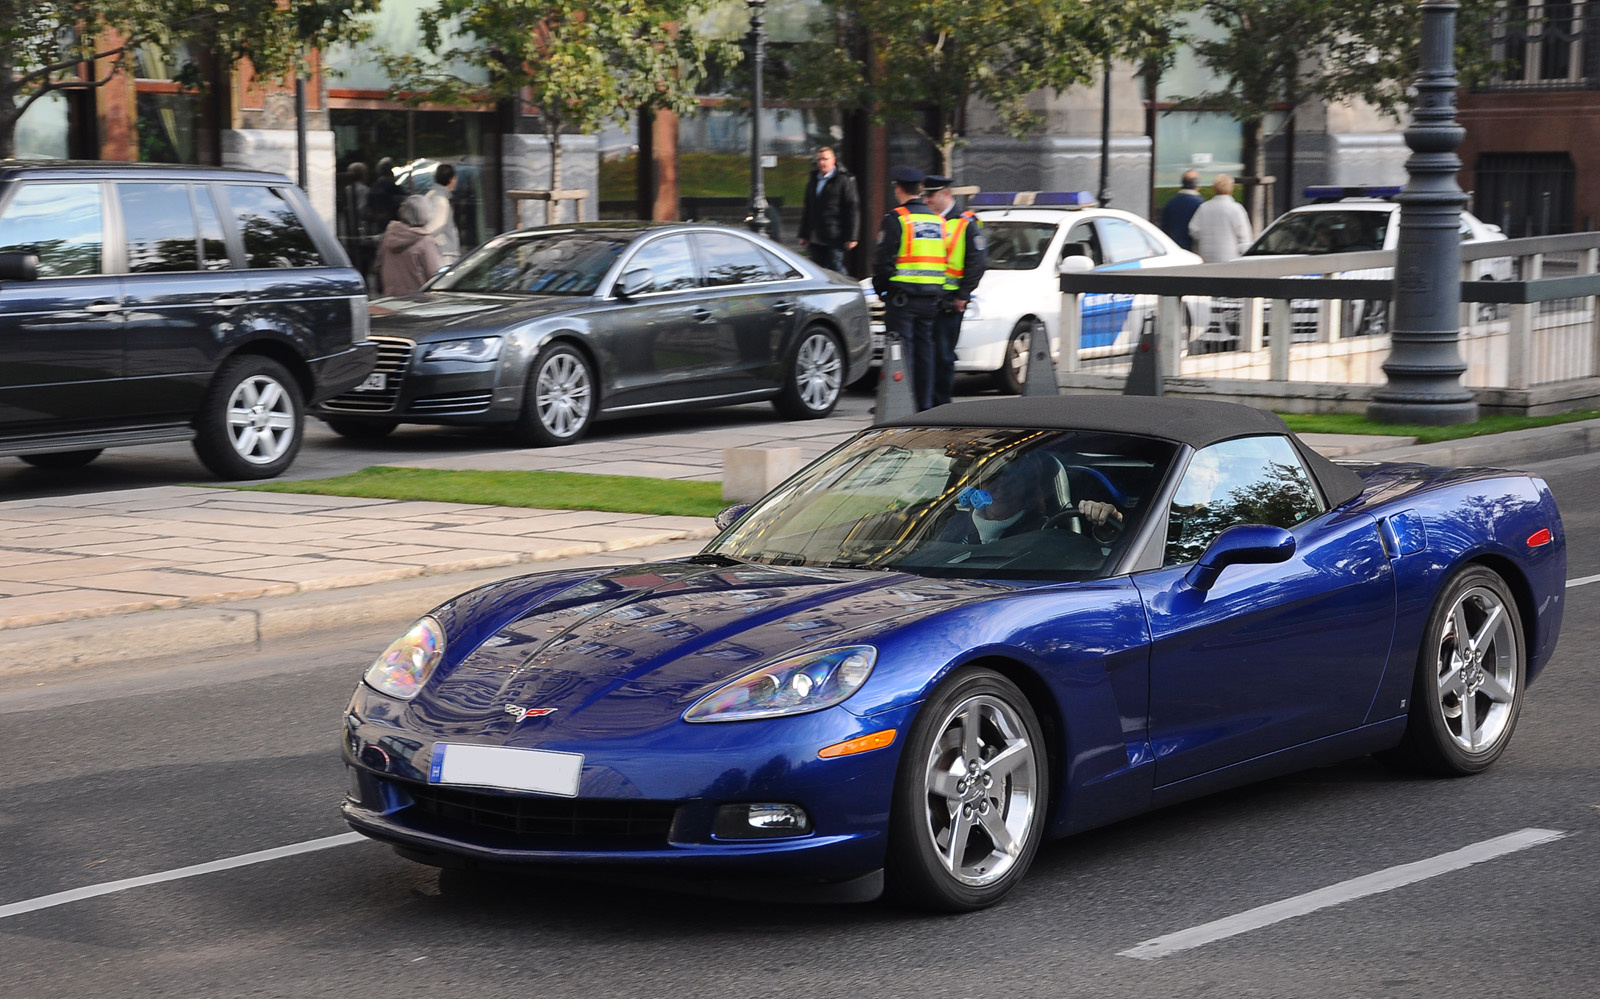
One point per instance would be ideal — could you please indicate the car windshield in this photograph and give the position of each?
(536, 263)
(1323, 232)
(969, 503)
(1017, 246)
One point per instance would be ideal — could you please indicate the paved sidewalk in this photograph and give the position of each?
(178, 568)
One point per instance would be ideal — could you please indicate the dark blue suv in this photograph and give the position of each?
(142, 304)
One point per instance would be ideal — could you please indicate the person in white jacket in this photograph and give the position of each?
(1221, 226)
(441, 217)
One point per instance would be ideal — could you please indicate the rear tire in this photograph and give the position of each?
(252, 421)
(970, 795)
(813, 378)
(359, 430)
(559, 404)
(1467, 693)
(62, 459)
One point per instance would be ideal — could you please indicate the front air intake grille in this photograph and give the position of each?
(461, 404)
(593, 820)
(394, 359)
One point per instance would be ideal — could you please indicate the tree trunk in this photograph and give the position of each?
(1255, 162)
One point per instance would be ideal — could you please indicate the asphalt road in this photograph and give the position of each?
(115, 773)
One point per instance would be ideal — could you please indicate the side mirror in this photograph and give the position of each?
(1244, 544)
(634, 282)
(730, 514)
(19, 267)
(1075, 264)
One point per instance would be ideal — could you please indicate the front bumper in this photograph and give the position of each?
(403, 389)
(645, 800)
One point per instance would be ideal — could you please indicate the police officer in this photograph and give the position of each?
(966, 258)
(908, 273)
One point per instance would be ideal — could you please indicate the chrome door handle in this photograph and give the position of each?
(702, 315)
(102, 307)
(786, 308)
(230, 302)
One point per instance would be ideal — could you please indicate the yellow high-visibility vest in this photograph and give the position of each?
(955, 248)
(921, 260)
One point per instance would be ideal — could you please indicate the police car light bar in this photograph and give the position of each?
(1335, 192)
(1032, 199)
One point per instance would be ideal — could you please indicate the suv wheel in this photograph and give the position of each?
(251, 423)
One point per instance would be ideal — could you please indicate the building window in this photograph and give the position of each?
(1525, 194)
(1542, 45)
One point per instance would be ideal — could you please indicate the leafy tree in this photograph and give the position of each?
(580, 62)
(1274, 54)
(59, 46)
(924, 61)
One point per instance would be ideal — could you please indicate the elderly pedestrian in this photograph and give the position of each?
(830, 223)
(908, 274)
(1221, 226)
(408, 255)
(441, 222)
(1180, 208)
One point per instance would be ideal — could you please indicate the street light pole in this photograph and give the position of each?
(758, 220)
(1424, 367)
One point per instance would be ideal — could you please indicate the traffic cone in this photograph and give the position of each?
(1144, 378)
(896, 401)
(1041, 375)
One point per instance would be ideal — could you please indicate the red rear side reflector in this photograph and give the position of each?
(1541, 537)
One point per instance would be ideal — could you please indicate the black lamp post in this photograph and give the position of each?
(758, 220)
(1424, 367)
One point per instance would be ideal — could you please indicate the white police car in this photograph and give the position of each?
(1351, 220)
(1028, 234)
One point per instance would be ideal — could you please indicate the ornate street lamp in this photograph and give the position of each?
(1424, 367)
(758, 220)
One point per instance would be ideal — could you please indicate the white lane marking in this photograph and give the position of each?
(1344, 891)
(227, 863)
(1582, 581)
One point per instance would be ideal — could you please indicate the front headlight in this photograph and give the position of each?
(483, 348)
(406, 665)
(807, 682)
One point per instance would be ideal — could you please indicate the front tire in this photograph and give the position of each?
(57, 460)
(1014, 369)
(559, 404)
(813, 377)
(970, 795)
(252, 421)
(1467, 694)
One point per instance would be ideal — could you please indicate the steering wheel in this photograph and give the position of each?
(1106, 533)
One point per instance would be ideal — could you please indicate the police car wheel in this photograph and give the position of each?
(1014, 369)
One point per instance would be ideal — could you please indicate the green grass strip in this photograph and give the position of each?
(1355, 423)
(541, 490)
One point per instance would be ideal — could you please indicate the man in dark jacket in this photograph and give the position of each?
(830, 224)
(1181, 208)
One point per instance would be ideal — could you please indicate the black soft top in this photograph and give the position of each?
(1195, 422)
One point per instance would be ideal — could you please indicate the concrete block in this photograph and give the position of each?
(749, 473)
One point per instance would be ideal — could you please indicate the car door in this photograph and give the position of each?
(657, 344)
(755, 309)
(60, 335)
(1101, 318)
(183, 296)
(1273, 655)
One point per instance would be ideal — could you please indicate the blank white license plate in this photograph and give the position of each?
(877, 341)
(376, 382)
(509, 769)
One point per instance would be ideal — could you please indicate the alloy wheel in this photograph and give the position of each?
(981, 781)
(1477, 669)
(261, 419)
(563, 395)
(818, 371)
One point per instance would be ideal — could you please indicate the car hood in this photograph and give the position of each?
(445, 314)
(628, 651)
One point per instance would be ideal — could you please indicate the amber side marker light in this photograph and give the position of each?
(1541, 537)
(867, 743)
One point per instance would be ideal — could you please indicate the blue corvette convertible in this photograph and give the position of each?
(953, 637)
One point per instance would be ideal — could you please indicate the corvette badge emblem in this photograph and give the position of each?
(519, 712)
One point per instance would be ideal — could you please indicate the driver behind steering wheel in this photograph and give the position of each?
(1013, 502)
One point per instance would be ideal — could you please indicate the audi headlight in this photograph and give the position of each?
(406, 665)
(793, 686)
(483, 348)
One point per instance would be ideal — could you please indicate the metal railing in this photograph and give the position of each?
(1528, 316)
